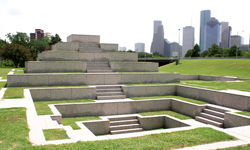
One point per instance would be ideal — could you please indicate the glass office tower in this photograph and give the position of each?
(205, 16)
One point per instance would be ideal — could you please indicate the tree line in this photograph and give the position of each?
(20, 48)
(216, 51)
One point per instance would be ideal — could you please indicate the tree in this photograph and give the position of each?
(130, 51)
(204, 53)
(188, 53)
(157, 54)
(247, 54)
(144, 54)
(38, 46)
(15, 52)
(55, 39)
(196, 51)
(19, 38)
(2, 43)
(232, 51)
(215, 51)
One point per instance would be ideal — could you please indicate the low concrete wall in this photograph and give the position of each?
(97, 127)
(134, 67)
(51, 94)
(189, 77)
(152, 122)
(39, 57)
(149, 90)
(186, 108)
(66, 46)
(235, 120)
(171, 122)
(76, 56)
(109, 47)
(235, 101)
(23, 80)
(55, 66)
(83, 38)
(207, 78)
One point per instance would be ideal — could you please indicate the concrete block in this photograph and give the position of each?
(109, 47)
(77, 79)
(67, 110)
(107, 109)
(103, 57)
(111, 79)
(17, 80)
(151, 67)
(147, 78)
(205, 78)
(40, 94)
(189, 77)
(87, 109)
(126, 57)
(152, 122)
(38, 80)
(83, 93)
(207, 96)
(83, 38)
(171, 122)
(235, 101)
(235, 120)
(153, 91)
(35, 67)
(132, 78)
(58, 79)
(95, 79)
(98, 127)
(86, 57)
(126, 108)
(66, 46)
(136, 91)
(152, 105)
(168, 90)
(61, 94)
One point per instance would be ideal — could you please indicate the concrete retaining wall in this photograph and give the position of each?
(98, 127)
(51, 94)
(23, 80)
(55, 66)
(189, 77)
(134, 67)
(109, 47)
(235, 120)
(207, 78)
(215, 97)
(76, 56)
(152, 122)
(83, 38)
(66, 46)
(171, 122)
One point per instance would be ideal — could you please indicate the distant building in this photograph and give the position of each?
(225, 35)
(167, 48)
(188, 39)
(205, 16)
(157, 44)
(244, 47)
(48, 34)
(176, 49)
(39, 34)
(139, 47)
(211, 33)
(122, 48)
(236, 40)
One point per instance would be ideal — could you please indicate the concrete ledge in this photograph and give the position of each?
(109, 47)
(209, 78)
(98, 127)
(55, 66)
(83, 38)
(235, 120)
(171, 122)
(152, 122)
(66, 46)
(133, 67)
(189, 77)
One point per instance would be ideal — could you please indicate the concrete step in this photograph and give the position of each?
(125, 126)
(121, 122)
(111, 97)
(126, 131)
(99, 71)
(98, 68)
(216, 109)
(108, 87)
(122, 118)
(208, 121)
(109, 93)
(109, 90)
(211, 117)
(214, 113)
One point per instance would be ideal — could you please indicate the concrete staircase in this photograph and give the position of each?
(98, 67)
(119, 125)
(109, 92)
(212, 115)
(89, 47)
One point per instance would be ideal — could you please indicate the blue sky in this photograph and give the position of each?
(118, 21)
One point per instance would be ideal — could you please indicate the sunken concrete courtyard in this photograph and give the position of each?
(113, 82)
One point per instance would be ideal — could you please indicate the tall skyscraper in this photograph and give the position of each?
(139, 47)
(157, 44)
(225, 35)
(236, 40)
(167, 48)
(39, 34)
(205, 16)
(211, 33)
(188, 39)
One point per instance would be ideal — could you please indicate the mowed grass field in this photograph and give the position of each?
(218, 67)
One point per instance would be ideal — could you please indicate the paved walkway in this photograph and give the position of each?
(38, 123)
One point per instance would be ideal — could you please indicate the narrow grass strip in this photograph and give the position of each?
(42, 107)
(246, 113)
(168, 112)
(55, 134)
(171, 96)
(72, 121)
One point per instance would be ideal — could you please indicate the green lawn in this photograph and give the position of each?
(55, 134)
(5, 70)
(217, 67)
(2, 84)
(72, 120)
(246, 113)
(171, 96)
(14, 135)
(168, 112)
(42, 107)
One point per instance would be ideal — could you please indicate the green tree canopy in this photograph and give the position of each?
(15, 52)
(2, 43)
(189, 53)
(215, 51)
(157, 54)
(19, 38)
(196, 51)
(55, 39)
(38, 46)
(204, 53)
(144, 54)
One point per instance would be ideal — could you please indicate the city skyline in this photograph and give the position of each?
(115, 24)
